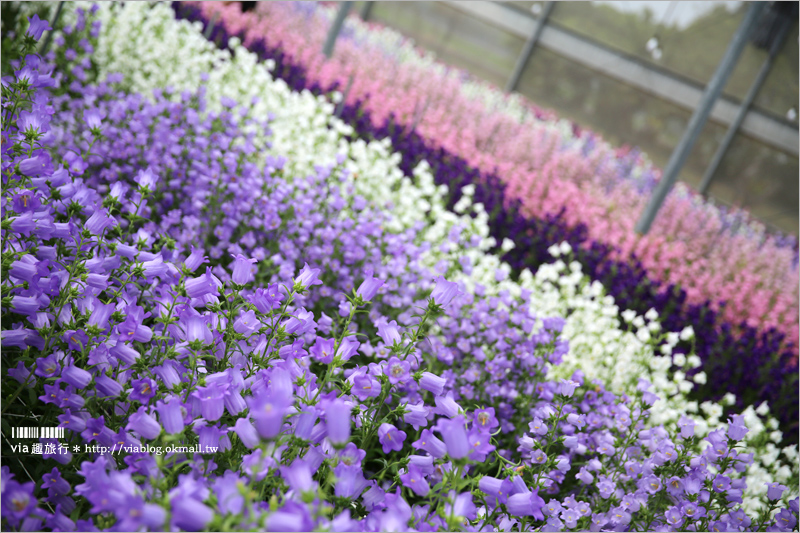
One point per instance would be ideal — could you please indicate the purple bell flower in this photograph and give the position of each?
(337, 416)
(369, 288)
(388, 332)
(47, 367)
(498, 488)
(242, 269)
(107, 387)
(25, 305)
(246, 323)
(247, 433)
(202, 285)
(415, 480)
(397, 370)
(351, 455)
(322, 350)
(366, 387)
(391, 438)
(431, 444)
(189, 514)
(348, 348)
(171, 415)
(350, 482)
(195, 259)
(454, 435)
(143, 389)
(18, 501)
(93, 117)
(432, 383)
(484, 419)
(526, 504)
(775, 490)
(267, 410)
(737, 429)
(168, 373)
(299, 476)
(308, 276)
(77, 377)
(416, 415)
(444, 291)
(144, 424)
(211, 400)
(36, 166)
(37, 27)
(146, 179)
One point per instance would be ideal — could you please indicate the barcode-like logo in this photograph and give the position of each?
(37, 433)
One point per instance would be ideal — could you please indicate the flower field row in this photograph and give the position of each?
(729, 353)
(714, 256)
(246, 318)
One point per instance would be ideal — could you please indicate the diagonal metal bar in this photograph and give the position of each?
(210, 27)
(336, 27)
(780, 38)
(530, 44)
(340, 107)
(49, 38)
(366, 9)
(699, 117)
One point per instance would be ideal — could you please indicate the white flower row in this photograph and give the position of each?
(145, 42)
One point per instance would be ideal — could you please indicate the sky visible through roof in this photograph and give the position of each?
(673, 13)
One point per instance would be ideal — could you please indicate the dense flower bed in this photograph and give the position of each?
(592, 334)
(162, 268)
(729, 353)
(713, 255)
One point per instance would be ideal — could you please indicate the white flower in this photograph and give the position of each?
(713, 410)
(687, 333)
(651, 314)
(783, 474)
(729, 398)
(790, 452)
(679, 359)
(700, 378)
(762, 409)
(565, 248)
(672, 338)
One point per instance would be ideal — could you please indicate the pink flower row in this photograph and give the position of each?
(688, 244)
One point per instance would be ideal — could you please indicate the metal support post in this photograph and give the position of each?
(46, 43)
(699, 117)
(210, 26)
(780, 38)
(336, 27)
(525, 54)
(366, 9)
(340, 107)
